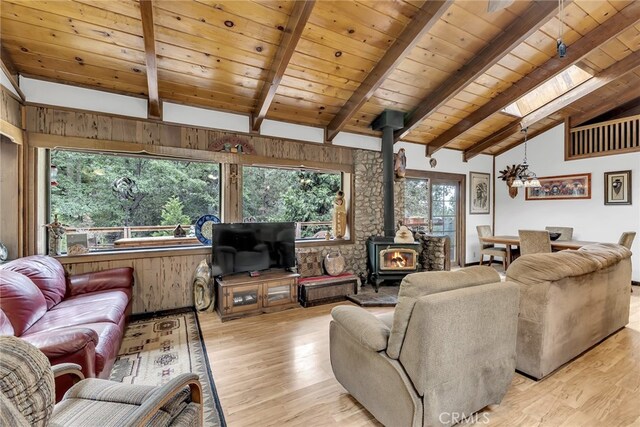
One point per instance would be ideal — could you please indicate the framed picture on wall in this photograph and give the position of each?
(479, 193)
(562, 187)
(617, 188)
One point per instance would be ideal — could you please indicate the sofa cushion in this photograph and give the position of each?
(105, 306)
(113, 298)
(6, 328)
(21, 300)
(45, 272)
(109, 338)
(538, 268)
(417, 285)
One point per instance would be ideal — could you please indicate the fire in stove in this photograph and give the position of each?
(398, 260)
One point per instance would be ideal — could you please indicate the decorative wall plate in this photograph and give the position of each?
(204, 228)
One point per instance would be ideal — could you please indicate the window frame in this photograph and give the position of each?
(230, 186)
(111, 251)
(346, 184)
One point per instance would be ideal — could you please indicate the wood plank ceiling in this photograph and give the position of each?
(451, 66)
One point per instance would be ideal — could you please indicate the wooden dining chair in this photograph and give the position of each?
(488, 248)
(626, 239)
(566, 233)
(534, 242)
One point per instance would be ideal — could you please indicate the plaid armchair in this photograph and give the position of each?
(27, 395)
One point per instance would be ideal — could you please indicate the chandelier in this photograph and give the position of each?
(524, 176)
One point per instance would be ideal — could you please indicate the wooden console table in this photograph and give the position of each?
(241, 295)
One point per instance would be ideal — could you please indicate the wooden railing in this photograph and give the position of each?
(603, 139)
(129, 232)
(320, 228)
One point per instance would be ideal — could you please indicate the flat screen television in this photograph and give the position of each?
(255, 246)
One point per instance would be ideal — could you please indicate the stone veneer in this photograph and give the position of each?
(434, 252)
(367, 209)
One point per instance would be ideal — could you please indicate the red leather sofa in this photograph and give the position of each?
(78, 319)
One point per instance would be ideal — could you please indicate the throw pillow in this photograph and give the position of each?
(309, 263)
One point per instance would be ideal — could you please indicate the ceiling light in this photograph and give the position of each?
(562, 48)
(524, 176)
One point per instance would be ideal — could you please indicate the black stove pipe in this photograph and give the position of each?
(387, 181)
(387, 122)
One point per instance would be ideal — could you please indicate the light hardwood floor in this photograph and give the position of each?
(274, 370)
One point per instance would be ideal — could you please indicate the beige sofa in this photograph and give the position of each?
(447, 351)
(569, 301)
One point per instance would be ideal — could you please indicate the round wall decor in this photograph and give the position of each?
(204, 228)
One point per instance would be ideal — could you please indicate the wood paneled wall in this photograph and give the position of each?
(10, 173)
(163, 281)
(10, 108)
(62, 122)
(9, 196)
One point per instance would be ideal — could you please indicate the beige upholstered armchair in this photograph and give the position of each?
(449, 348)
(27, 395)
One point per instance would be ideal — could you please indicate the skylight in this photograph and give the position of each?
(548, 91)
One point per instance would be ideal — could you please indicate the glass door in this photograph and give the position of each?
(445, 212)
(416, 203)
(439, 197)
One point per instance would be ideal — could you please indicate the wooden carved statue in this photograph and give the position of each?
(509, 175)
(339, 222)
(400, 164)
(56, 230)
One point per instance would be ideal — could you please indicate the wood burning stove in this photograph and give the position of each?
(389, 261)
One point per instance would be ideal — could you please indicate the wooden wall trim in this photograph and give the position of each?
(32, 106)
(111, 132)
(49, 141)
(133, 254)
(14, 133)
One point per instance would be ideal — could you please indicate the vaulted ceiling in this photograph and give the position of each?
(451, 66)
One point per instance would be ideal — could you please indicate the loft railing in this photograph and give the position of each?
(603, 139)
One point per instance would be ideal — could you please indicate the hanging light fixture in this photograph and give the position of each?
(525, 177)
(562, 48)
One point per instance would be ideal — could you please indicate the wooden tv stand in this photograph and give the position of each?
(241, 295)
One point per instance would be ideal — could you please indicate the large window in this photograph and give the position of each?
(301, 196)
(119, 200)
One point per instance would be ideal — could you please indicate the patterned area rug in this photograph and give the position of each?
(157, 349)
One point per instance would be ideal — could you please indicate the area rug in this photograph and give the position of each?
(387, 296)
(157, 349)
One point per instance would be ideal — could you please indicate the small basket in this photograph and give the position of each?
(334, 263)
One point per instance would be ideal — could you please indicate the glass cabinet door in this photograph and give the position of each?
(278, 293)
(242, 298)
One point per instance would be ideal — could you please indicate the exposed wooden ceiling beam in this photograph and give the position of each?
(605, 77)
(576, 51)
(530, 136)
(491, 140)
(297, 21)
(627, 103)
(617, 70)
(11, 71)
(529, 22)
(146, 11)
(427, 16)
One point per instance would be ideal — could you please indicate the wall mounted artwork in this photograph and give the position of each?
(479, 193)
(562, 187)
(617, 188)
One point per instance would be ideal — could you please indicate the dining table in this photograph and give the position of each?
(511, 241)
